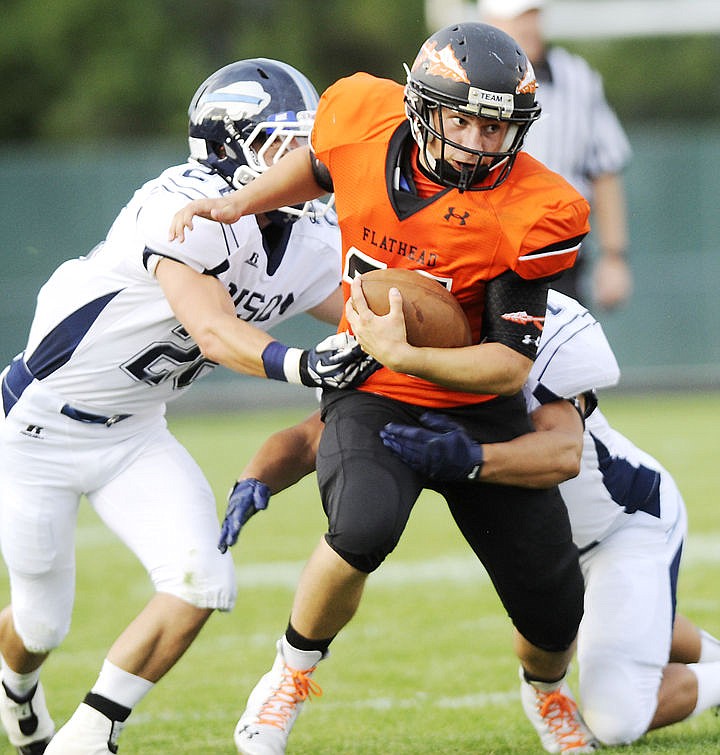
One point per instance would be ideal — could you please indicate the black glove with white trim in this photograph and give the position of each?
(336, 362)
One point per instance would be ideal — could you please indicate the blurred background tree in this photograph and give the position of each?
(90, 70)
(93, 69)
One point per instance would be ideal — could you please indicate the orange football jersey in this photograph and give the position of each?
(532, 223)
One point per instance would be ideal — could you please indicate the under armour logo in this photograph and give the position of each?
(253, 259)
(34, 431)
(460, 218)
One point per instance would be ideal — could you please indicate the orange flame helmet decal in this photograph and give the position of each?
(442, 63)
(528, 83)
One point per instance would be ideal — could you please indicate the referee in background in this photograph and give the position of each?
(578, 136)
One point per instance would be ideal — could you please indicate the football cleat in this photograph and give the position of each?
(273, 706)
(88, 732)
(26, 720)
(556, 719)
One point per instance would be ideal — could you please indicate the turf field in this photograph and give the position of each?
(425, 667)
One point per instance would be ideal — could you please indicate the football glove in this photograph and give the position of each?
(440, 450)
(245, 499)
(336, 362)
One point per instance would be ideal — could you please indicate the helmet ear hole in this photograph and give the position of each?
(218, 149)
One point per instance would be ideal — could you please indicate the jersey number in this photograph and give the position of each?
(165, 360)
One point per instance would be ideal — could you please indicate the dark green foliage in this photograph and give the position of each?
(87, 70)
(658, 78)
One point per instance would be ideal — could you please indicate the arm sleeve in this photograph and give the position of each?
(515, 312)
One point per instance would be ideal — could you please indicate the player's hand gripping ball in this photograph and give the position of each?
(433, 316)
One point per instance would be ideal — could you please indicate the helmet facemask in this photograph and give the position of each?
(426, 121)
(254, 152)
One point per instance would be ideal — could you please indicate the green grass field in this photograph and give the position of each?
(425, 667)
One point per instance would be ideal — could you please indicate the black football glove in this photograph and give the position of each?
(336, 362)
(246, 498)
(440, 450)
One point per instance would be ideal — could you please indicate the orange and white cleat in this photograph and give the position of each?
(274, 704)
(556, 718)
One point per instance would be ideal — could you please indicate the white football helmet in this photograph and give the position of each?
(247, 115)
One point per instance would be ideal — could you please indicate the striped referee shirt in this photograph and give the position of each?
(578, 134)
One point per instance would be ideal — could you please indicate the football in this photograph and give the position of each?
(433, 316)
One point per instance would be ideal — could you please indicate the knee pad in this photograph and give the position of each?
(364, 562)
(614, 726)
(39, 636)
(551, 621)
(619, 697)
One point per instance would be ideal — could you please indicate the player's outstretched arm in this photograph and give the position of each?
(283, 459)
(204, 307)
(442, 449)
(289, 181)
(541, 459)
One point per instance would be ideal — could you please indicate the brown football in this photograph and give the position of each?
(433, 316)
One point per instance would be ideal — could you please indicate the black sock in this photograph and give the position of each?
(303, 643)
(530, 679)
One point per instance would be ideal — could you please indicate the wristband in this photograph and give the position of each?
(273, 357)
(282, 362)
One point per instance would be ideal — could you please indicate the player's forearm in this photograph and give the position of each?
(290, 181)
(204, 307)
(233, 343)
(286, 456)
(488, 368)
(536, 460)
(546, 457)
(610, 217)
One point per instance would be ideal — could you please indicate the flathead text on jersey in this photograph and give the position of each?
(399, 247)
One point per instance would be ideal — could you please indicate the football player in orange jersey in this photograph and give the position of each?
(430, 176)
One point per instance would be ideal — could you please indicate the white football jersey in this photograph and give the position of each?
(104, 337)
(616, 478)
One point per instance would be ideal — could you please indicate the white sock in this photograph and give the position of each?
(120, 686)
(19, 684)
(299, 659)
(708, 676)
(709, 648)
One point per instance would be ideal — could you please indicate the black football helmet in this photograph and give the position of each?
(247, 115)
(474, 69)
